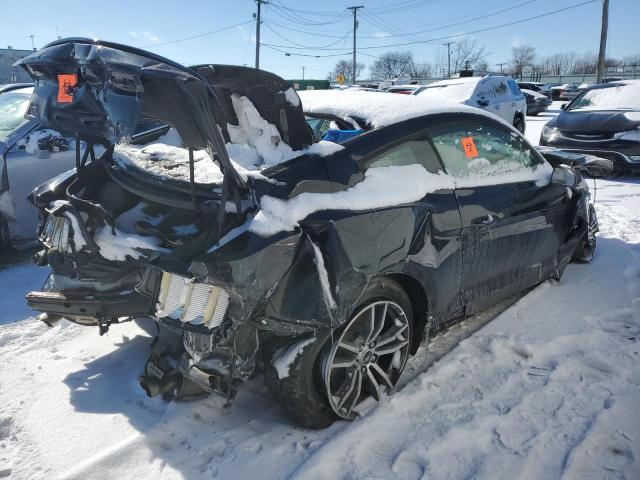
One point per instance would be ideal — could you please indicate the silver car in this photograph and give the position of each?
(29, 155)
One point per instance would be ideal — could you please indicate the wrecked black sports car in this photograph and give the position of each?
(249, 244)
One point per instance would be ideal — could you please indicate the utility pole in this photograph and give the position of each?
(448, 44)
(355, 27)
(257, 17)
(32, 36)
(500, 65)
(603, 41)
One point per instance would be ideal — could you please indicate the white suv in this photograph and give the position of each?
(493, 93)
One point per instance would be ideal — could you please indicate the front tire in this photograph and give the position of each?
(518, 124)
(587, 246)
(317, 380)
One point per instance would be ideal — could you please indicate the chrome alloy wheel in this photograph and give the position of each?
(368, 357)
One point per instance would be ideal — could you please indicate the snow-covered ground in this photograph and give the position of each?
(546, 388)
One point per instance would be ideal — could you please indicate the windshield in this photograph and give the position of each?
(13, 106)
(615, 97)
(456, 92)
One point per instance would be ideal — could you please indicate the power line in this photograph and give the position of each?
(299, 46)
(291, 15)
(197, 35)
(402, 6)
(463, 21)
(480, 30)
(515, 22)
(290, 54)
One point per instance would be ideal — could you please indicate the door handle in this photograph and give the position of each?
(486, 220)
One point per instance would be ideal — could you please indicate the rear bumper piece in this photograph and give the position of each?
(208, 381)
(94, 305)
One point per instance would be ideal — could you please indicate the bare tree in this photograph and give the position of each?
(467, 53)
(419, 70)
(345, 67)
(522, 56)
(631, 62)
(585, 64)
(392, 65)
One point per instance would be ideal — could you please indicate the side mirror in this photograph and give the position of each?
(483, 102)
(564, 176)
(563, 106)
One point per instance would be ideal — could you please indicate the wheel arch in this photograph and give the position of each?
(419, 303)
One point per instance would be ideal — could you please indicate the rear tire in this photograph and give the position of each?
(302, 390)
(518, 124)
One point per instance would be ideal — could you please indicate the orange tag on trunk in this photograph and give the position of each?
(469, 147)
(65, 87)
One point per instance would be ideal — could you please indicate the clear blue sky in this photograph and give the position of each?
(141, 23)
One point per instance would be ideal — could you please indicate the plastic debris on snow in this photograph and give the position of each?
(255, 145)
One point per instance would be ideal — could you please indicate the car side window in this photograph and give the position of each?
(409, 152)
(501, 88)
(513, 86)
(485, 89)
(482, 151)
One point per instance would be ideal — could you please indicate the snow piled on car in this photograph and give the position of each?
(255, 144)
(386, 187)
(379, 109)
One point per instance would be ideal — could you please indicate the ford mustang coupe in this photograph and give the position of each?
(247, 243)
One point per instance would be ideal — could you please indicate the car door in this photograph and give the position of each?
(420, 238)
(518, 102)
(39, 156)
(508, 206)
(505, 105)
(484, 96)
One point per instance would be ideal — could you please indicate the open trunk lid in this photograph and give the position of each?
(99, 91)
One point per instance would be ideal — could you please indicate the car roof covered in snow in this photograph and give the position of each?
(453, 81)
(378, 109)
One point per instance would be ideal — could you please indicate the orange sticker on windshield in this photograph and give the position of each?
(66, 83)
(469, 147)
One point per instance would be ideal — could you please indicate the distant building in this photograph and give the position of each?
(9, 73)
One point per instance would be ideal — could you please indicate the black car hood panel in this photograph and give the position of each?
(595, 122)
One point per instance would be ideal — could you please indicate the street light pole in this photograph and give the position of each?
(355, 27)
